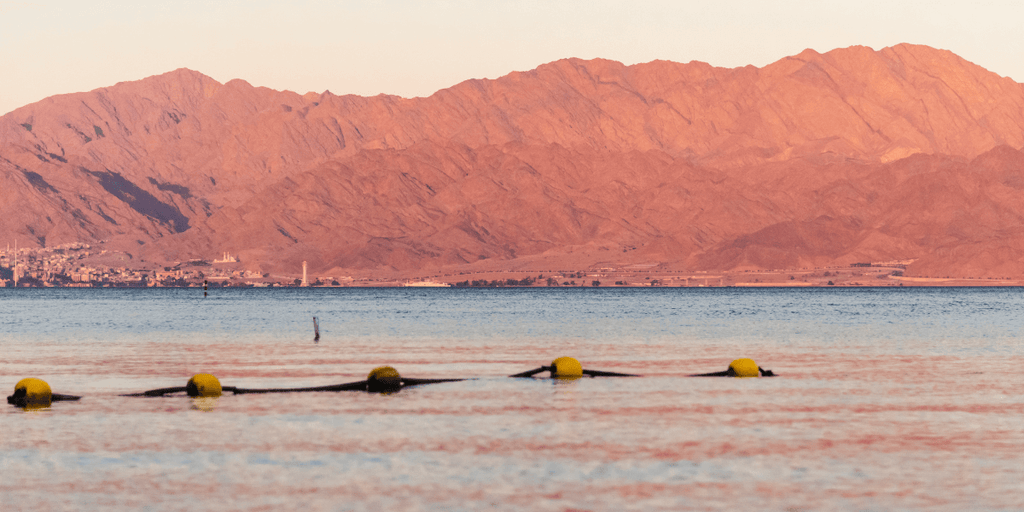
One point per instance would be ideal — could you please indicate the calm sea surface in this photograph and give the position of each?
(907, 399)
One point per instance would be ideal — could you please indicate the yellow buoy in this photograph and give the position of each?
(744, 368)
(383, 372)
(31, 392)
(384, 379)
(203, 384)
(566, 368)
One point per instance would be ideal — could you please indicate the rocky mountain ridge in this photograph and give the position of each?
(852, 155)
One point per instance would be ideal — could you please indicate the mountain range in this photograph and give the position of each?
(907, 153)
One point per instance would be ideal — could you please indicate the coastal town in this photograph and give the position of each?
(80, 265)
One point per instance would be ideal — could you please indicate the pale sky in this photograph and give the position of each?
(413, 48)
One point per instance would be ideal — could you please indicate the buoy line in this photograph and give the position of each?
(36, 393)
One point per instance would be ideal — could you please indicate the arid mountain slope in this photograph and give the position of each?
(803, 161)
(431, 206)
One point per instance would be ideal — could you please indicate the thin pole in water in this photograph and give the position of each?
(316, 330)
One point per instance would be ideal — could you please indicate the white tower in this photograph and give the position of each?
(304, 282)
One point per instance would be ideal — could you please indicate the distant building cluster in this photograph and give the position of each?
(67, 266)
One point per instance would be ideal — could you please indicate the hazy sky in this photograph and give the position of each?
(413, 48)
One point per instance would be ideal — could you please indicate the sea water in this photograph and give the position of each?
(886, 399)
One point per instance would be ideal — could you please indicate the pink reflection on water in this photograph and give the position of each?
(846, 429)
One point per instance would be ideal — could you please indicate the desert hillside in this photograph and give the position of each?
(855, 155)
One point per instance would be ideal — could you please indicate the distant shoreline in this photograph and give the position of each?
(82, 266)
